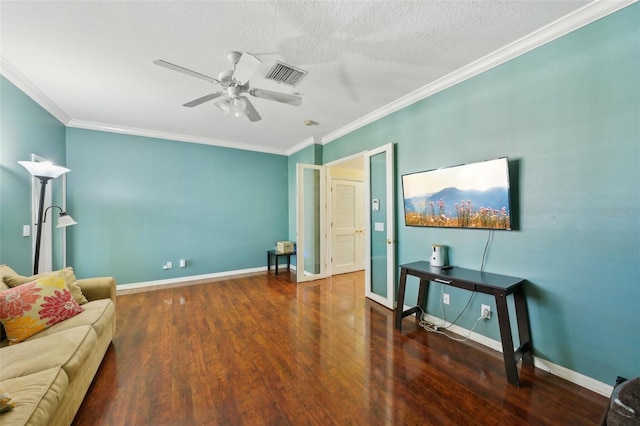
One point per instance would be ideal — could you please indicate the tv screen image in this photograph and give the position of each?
(474, 195)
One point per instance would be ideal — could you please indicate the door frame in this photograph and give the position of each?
(388, 148)
(360, 155)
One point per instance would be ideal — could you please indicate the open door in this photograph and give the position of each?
(380, 268)
(311, 221)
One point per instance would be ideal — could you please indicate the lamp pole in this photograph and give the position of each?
(43, 187)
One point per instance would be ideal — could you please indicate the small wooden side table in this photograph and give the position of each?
(276, 254)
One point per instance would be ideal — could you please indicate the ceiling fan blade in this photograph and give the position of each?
(178, 68)
(202, 100)
(252, 114)
(276, 96)
(246, 67)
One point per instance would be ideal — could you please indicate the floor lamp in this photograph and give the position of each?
(45, 171)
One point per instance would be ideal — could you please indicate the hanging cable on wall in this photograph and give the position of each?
(486, 247)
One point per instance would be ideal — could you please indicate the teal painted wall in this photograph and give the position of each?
(567, 114)
(25, 129)
(142, 202)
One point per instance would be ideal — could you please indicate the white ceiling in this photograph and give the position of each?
(91, 62)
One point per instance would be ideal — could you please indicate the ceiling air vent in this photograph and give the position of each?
(286, 74)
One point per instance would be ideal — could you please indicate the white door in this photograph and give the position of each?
(380, 269)
(310, 223)
(347, 227)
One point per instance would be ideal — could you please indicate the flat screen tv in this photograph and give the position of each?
(475, 195)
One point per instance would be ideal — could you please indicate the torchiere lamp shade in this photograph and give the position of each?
(44, 169)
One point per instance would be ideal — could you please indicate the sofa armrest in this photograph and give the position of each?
(98, 288)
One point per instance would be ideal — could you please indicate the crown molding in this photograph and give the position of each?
(571, 22)
(104, 127)
(21, 82)
(302, 145)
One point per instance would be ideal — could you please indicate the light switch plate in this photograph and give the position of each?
(26, 230)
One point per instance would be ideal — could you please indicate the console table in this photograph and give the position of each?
(500, 286)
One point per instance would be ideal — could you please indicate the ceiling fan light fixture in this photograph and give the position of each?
(224, 106)
(239, 106)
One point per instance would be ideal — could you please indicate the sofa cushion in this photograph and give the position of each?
(36, 397)
(68, 349)
(6, 270)
(13, 280)
(29, 308)
(98, 313)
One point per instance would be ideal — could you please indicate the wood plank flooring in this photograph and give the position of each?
(260, 350)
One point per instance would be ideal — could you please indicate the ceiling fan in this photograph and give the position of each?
(235, 84)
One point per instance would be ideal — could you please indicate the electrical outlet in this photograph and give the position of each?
(445, 298)
(485, 311)
(183, 263)
(169, 265)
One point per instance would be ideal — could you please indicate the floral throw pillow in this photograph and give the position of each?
(30, 308)
(69, 277)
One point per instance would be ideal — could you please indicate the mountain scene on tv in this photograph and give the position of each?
(455, 208)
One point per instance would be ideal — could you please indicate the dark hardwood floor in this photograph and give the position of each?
(261, 350)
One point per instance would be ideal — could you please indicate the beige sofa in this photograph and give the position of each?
(48, 374)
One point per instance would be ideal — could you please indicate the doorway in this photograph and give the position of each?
(346, 216)
(378, 217)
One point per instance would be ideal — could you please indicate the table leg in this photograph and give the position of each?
(400, 303)
(288, 262)
(507, 338)
(522, 316)
(423, 292)
(268, 261)
(276, 264)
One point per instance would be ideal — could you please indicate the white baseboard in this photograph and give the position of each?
(574, 377)
(189, 278)
(541, 363)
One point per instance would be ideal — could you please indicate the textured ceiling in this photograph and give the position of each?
(94, 60)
